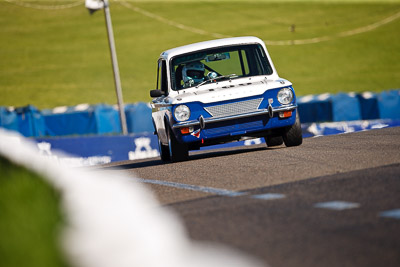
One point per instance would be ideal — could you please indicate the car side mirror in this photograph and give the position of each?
(156, 93)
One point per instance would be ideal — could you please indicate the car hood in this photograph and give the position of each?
(227, 90)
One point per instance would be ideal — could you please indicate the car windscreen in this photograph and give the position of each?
(191, 69)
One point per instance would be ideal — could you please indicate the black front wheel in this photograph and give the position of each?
(164, 151)
(273, 140)
(292, 135)
(177, 151)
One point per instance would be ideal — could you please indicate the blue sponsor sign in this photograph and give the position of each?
(94, 150)
(331, 128)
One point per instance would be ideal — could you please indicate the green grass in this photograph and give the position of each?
(60, 57)
(30, 219)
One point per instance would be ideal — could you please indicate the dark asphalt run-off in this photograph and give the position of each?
(333, 201)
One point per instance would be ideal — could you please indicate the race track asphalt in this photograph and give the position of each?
(333, 201)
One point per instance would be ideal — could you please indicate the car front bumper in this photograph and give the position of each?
(202, 122)
(236, 125)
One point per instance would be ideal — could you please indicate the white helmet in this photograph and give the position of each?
(193, 73)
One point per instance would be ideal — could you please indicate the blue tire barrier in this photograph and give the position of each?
(8, 119)
(107, 119)
(82, 120)
(104, 119)
(389, 104)
(315, 108)
(138, 118)
(349, 107)
(30, 121)
(345, 107)
(369, 106)
(71, 121)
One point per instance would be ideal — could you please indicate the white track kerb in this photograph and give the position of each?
(113, 221)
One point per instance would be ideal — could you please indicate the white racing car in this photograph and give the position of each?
(221, 91)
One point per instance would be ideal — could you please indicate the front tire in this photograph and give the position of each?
(177, 151)
(293, 135)
(164, 151)
(273, 140)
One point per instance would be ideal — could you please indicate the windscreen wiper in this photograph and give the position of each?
(217, 78)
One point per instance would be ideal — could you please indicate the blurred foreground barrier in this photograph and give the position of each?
(112, 222)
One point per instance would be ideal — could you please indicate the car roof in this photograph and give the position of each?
(168, 54)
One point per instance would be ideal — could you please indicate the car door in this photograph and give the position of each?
(161, 105)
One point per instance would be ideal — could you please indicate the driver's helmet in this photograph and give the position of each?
(193, 73)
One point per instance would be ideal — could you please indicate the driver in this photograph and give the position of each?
(193, 73)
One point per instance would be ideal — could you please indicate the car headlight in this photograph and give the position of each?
(182, 113)
(285, 96)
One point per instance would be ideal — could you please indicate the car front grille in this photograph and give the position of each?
(237, 126)
(236, 108)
